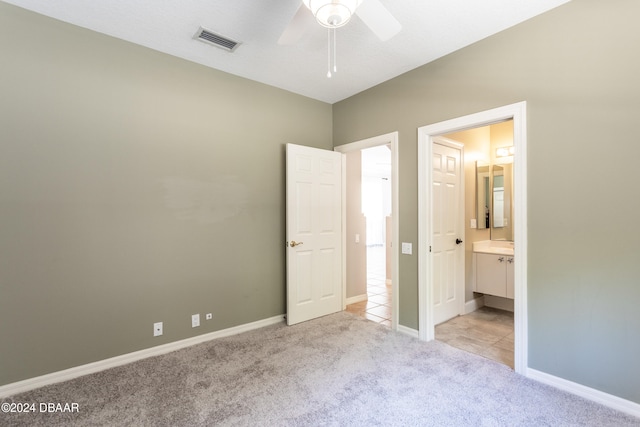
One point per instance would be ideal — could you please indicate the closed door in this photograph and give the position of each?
(447, 249)
(314, 233)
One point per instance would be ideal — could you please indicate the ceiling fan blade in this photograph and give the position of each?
(378, 19)
(299, 24)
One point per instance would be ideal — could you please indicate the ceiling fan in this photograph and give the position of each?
(333, 14)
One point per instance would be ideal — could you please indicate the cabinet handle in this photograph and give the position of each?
(510, 260)
(501, 259)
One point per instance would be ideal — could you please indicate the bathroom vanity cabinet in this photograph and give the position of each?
(494, 274)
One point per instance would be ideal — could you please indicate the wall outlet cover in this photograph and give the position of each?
(157, 329)
(195, 320)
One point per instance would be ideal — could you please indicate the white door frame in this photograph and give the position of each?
(392, 140)
(460, 258)
(517, 112)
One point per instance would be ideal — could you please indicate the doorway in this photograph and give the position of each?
(426, 135)
(376, 210)
(483, 323)
(370, 255)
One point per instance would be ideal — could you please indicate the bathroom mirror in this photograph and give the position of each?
(483, 194)
(494, 199)
(502, 201)
(497, 197)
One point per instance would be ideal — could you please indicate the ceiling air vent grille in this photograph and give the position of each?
(210, 37)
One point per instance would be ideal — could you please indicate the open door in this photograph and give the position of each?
(314, 233)
(447, 252)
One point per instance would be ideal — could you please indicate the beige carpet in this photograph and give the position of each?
(339, 370)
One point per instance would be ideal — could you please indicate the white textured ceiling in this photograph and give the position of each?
(430, 29)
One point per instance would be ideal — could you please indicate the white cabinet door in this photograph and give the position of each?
(491, 274)
(510, 277)
(495, 275)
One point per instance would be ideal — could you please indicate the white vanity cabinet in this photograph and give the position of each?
(510, 277)
(494, 274)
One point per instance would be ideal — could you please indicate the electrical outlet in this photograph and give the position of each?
(195, 320)
(209, 316)
(157, 329)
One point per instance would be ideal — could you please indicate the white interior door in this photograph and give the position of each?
(447, 247)
(314, 233)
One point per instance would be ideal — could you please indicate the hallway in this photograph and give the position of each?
(378, 306)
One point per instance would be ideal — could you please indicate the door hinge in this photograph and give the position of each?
(429, 248)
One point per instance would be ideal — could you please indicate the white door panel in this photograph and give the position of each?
(314, 233)
(447, 255)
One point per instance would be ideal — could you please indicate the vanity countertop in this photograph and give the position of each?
(498, 247)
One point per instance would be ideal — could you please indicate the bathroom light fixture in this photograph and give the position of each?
(332, 14)
(505, 151)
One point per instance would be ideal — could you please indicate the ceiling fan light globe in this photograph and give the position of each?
(332, 13)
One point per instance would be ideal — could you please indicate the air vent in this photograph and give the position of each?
(217, 40)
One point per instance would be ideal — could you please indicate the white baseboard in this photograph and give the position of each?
(589, 393)
(408, 331)
(473, 305)
(101, 365)
(357, 298)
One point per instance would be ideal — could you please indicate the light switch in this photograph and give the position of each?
(473, 223)
(407, 248)
(357, 238)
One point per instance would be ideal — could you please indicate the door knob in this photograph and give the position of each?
(294, 243)
(458, 241)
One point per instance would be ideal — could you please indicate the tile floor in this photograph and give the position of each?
(487, 332)
(378, 306)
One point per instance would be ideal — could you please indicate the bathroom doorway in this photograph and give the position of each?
(426, 135)
(484, 325)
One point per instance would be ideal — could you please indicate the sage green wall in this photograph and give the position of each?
(356, 224)
(135, 187)
(577, 67)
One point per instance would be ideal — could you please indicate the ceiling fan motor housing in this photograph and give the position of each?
(332, 13)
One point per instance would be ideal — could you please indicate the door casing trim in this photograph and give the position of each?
(517, 112)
